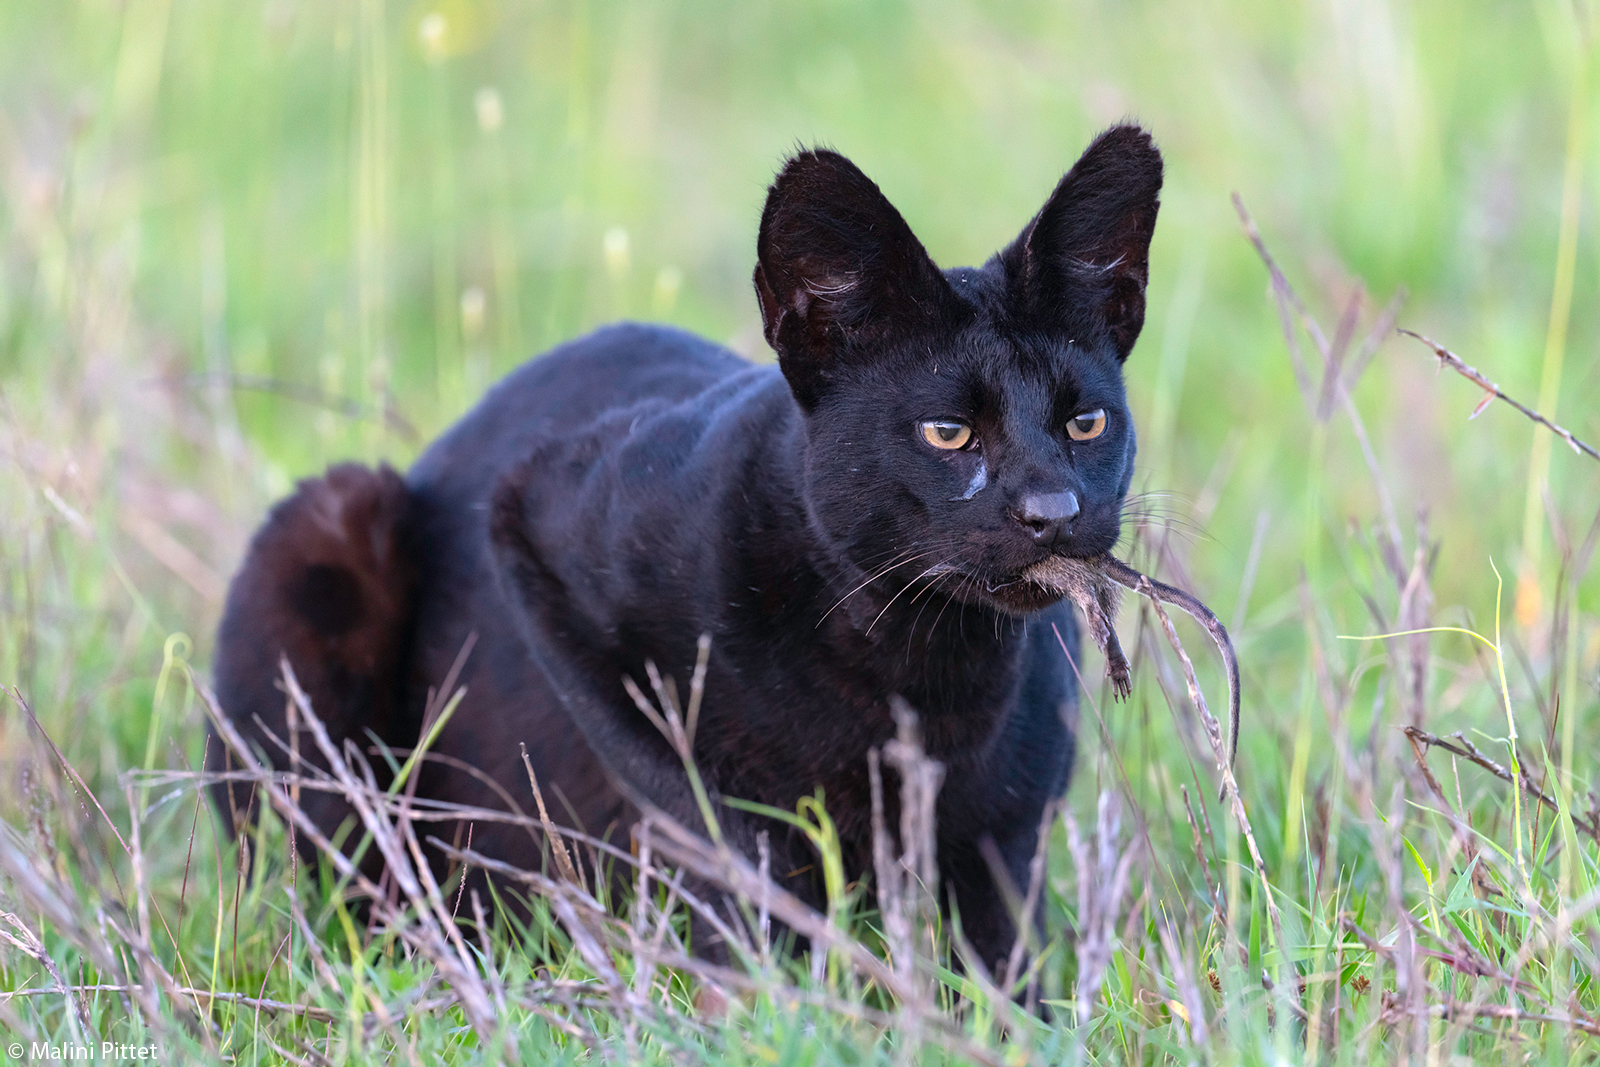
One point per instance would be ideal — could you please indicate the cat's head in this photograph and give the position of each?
(968, 422)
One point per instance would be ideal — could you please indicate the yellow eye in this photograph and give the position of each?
(1089, 425)
(946, 434)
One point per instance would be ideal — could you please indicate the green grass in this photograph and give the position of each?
(241, 240)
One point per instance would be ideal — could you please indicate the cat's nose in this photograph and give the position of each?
(1048, 516)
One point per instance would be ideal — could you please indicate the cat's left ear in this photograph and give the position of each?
(1081, 265)
(838, 272)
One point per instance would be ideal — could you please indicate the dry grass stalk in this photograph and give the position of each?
(277, 1007)
(1213, 891)
(1493, 392)
(1103, 876)
(558, 848)
(436, 940)
(1449, 1008)
(397, 843)
(386, 412)
(1026, 930)
(914, 874)
(1587, 823)
(1194, 1014)
(1230, 786)
(597, 934)
(725, 868)
(1339, 384)
(1463, 840)
(1415, 598)
(1337, 381)
(907, 883)
(39, 889)
(72, 772)
(606, 932)
(891, 880)
(728, 869)
(897, 891)
(1415, 595)
(29, 945)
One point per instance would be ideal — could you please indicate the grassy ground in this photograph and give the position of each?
(240, 240)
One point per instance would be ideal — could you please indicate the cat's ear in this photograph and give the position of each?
(838, 272)
(1081, 265)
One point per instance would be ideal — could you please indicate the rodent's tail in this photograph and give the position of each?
(329, 582)
(1129, 578)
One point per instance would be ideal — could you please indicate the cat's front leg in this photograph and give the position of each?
(971, 874)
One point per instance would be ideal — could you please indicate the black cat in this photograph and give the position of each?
(849, 525)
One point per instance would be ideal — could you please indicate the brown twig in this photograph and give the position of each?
(558, 848)
(1449, 359)
(1588, 823)
(1462, 960)
(1450, 1008)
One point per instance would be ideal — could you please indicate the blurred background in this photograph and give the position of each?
(242, 240)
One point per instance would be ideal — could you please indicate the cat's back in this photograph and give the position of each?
(562, 393)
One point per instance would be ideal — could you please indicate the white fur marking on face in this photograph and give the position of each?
(980, 479)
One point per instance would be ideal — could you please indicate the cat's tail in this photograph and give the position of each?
(329, 583)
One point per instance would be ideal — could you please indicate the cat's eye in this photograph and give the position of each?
(1089, 425)
(947, 434)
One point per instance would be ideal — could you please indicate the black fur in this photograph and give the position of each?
(329, 581)
(611, 501)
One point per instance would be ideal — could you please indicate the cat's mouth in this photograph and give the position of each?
(1012, 594)
(1020, 595)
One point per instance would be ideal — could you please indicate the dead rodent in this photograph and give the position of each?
(1095, 585)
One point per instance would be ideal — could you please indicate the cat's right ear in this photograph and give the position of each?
(838, 271)
(1081, 265)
